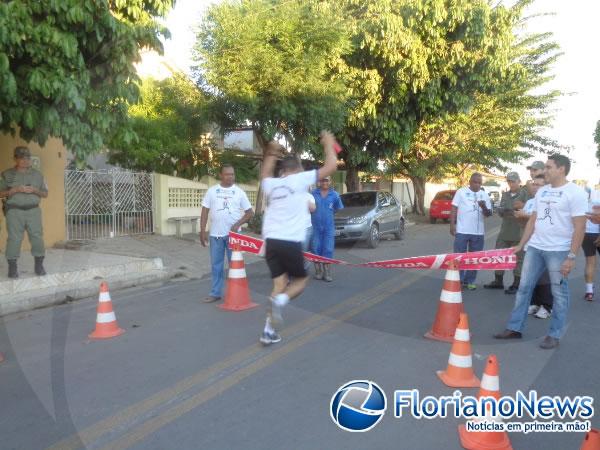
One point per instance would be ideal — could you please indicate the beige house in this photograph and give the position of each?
(50, 160)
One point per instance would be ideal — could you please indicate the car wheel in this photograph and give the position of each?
(373, 239)
(398, 235)
(432, 220)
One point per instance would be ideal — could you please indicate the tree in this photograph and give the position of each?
(269, 63)
(597, 139)
(169, 122)
(66, 67)
(505, 125)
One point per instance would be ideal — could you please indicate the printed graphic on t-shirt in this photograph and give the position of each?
(548, 200)
(224, 196)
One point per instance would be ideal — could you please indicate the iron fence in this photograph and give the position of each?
(100, 204)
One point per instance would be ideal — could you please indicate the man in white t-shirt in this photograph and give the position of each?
(229, 209)
(590, 244)
(553, 236)
(470, 206)
(284, 225)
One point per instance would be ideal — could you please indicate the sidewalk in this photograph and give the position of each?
(77, 267)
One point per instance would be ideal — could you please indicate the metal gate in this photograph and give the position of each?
(100, 204)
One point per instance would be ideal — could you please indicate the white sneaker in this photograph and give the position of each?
(532, 309)
(542, 313)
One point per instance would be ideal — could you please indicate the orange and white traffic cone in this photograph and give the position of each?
(237, 293)
(106, 321)
(459, 372)
(591, 441)
(487, 440)
(449, 308)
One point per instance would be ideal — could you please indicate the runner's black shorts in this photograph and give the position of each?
(588, 246)
(285, 257)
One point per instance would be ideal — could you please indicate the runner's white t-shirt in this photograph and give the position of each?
(287, 206)
(593, 200)
(469, 217)
(227, 206)
(555, 209)
(310, 200)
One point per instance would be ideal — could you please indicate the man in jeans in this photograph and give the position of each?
(469, 208)
(553, 236)
(229, 209)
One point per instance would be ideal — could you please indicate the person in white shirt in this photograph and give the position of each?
(553, 235)
(470, 206)
(229, 209)
(284, 225)
(541, 299)
(590, 244)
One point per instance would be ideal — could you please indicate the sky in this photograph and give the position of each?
(574, 24)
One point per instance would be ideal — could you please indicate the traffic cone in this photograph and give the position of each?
(486, 440)
(449, 308)
(591, 441)
(459, 372)
(237, 293)
(106, 322)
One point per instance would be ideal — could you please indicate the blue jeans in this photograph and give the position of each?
(468, 243)
(218, 248)
(535, 263)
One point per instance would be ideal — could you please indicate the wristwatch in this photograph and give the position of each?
(571, 255)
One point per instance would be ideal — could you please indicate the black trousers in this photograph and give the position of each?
(542, 294)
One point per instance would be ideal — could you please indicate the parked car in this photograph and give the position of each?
(367, 216)
(494, 198)
(441, 206)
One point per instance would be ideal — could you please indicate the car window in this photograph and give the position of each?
(352, 199)
(444, 195)
(380, 198)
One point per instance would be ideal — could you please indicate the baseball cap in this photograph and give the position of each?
(513, 176)
(22, 152)
(536, 165)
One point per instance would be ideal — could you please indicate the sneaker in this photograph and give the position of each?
(532, 309)
(211, 299)
(542, 313)
(508, 334)
(589, 296)
(471, 286)
(549, 343)
(267, 338)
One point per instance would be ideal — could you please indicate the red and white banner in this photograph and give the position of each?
(503, 259)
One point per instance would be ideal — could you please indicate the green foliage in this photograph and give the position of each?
(169, 123)
(597, 139)
(66, 67)
(246, 168)
(269, 63)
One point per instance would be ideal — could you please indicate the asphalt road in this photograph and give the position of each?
(187, 375)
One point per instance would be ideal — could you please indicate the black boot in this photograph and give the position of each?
(512, 290)
(496, 284)
(39, 266)
(12, 269)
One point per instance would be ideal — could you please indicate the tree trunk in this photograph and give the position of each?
(352, 184)
(419, 200)
(259, 195)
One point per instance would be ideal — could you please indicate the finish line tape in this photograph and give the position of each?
(502, 259)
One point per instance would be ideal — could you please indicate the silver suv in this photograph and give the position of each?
(368, 215)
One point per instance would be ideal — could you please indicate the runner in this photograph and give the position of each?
(284, 226)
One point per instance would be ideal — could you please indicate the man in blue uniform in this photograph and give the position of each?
(328, 202)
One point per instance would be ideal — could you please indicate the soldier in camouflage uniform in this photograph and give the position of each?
(21, 189)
